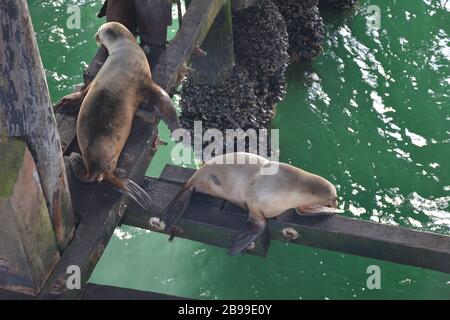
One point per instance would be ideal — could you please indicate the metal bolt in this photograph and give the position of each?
(251, 246)
(6, 266)
(289, 234)
(58, 286)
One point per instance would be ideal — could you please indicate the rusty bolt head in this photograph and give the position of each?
(251, 246)
(6, 266)
(58, 286)
(290, 234)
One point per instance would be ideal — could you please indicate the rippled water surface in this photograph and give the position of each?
(371, 114)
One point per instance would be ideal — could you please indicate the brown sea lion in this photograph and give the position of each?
(106, 114)
(264, 188)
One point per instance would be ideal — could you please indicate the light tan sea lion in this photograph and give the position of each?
(264, 188)
(106, 114)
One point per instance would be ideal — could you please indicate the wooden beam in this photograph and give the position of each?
(100, 210)
(337, 233)
(103, 292)
(204, 221)
(25, 112)
(197, 21)
(219, 50)
(28, 249)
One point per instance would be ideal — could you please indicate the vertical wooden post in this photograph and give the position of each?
(218, 45)
(154, 16)
(28, 250)
(26, 112)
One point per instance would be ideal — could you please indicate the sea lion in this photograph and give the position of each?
(106, 114)
(264, 188)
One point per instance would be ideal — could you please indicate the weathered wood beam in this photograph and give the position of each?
(204, 221)
(26, 112)
(100, 210)
(219, 50)
(197, 21)
(95, 291)
(28, 249)
(337, 233)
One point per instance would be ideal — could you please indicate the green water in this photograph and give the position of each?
(371, 114)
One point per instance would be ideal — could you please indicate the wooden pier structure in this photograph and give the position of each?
(48, 231)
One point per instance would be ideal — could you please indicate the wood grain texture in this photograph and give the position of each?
(197, 21)
(25, 112)
(28, 249)
(218, 45)
(99, 210)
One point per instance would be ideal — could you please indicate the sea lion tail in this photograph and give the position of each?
(243, 239)
(173, 212)
(130, 188)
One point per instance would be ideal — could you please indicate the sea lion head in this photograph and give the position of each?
(112, 33)
(321, 197)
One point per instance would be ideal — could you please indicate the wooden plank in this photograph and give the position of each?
(337, 233)
(99, 210)
(25, 112)
(197, 21)
(368, 239)
(218, 46)
(204, 220)
(28, 249)
(95, 291)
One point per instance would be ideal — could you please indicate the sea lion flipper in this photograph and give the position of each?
(173, 212)
(158, 100)
(167, 112)
(130, 188)
(77, 167)
(72, 102)
(241, 240)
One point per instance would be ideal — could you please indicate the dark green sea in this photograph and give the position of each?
(371, 114)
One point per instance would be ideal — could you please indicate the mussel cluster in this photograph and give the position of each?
(229, 103)
(245, 97)
(260, 44)
(305, 27)
(338, 4)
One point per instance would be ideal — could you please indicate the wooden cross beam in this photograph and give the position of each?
(211, 221)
